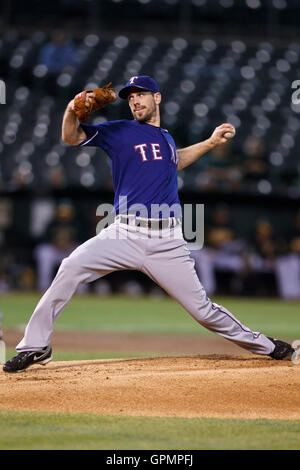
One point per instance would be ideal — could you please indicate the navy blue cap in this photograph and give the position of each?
(142, 81)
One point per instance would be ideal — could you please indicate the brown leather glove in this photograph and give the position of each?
(102, 97)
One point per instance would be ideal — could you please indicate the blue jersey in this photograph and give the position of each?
(144, 165)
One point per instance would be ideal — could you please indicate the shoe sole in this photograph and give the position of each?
(43, 363)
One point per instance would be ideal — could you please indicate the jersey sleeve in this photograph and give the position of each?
(105, 135)
(94, 136)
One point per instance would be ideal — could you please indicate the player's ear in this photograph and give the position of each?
(157, 97)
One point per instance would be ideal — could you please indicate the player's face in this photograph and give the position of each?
(143, 105)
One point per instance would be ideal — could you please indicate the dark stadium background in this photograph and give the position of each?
(215, 61)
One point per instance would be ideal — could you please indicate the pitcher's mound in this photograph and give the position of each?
(196, 386)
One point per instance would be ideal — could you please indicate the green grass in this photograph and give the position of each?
(154, 315)
(60, 355)
(27, 430)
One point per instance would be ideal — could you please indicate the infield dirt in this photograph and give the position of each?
(223, 386)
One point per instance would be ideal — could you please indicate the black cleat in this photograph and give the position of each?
(28, 358)
(282, 350)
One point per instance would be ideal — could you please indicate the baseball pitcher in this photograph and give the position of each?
(144, 163)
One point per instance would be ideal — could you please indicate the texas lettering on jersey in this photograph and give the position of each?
(155, 151)
(154, 148)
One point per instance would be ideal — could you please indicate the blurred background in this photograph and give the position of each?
(215, 61)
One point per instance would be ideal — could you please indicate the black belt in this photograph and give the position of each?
(154, 224)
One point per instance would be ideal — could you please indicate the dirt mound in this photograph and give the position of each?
(195, 386)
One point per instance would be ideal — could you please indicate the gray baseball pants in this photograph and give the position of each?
(162, 255)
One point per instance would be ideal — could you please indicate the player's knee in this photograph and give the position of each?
(68, 265)
(74, 272)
